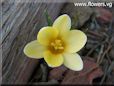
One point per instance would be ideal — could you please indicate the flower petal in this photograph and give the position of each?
(34, 50)
(53, 60)
(62, 23)
(75, 40)
(73, 61)
(46, 34)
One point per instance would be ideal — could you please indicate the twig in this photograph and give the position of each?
(104, 75)
(100, 53)
(105, 52)
(93, 49)
(107, 71)
(110, 68)
(110, 30)
(109, 60)
(94, 33)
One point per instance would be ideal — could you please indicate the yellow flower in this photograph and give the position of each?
(58, 44)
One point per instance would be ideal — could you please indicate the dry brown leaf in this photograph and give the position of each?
(91, 71)
(103, 15)
(57, 73)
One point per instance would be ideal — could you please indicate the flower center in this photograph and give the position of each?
(57, 46)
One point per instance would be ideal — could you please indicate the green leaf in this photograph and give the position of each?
(48, 18)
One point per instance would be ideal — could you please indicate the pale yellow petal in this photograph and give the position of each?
(75, 41)
(73, 61)
(46, 34)
(63, 23)
(34, 50)
(53, 60)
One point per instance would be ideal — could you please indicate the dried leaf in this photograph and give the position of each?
(91, 71)
(57, 73)
(103, 15)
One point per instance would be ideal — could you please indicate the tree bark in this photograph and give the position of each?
(20, 25)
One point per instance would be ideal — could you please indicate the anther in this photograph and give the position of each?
(61, 48)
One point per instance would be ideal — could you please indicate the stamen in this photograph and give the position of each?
(60, 44)
(61, 48)
(57, 46)
(57, 41)
(53, 44)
